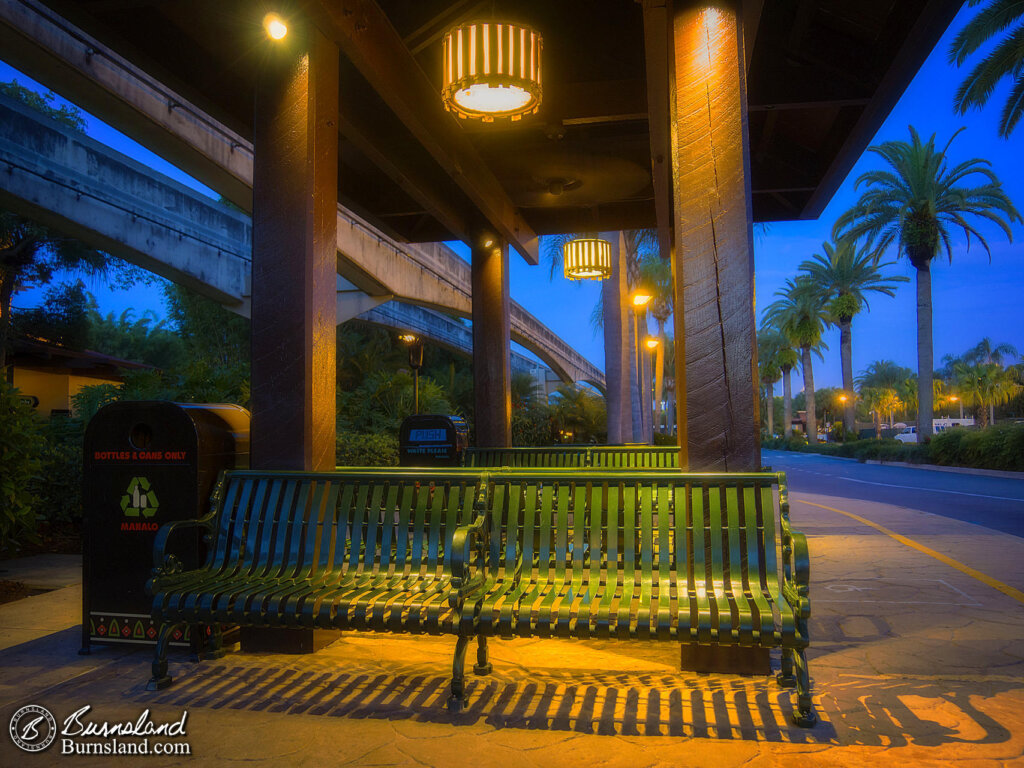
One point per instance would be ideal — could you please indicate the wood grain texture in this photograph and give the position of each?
(716, 357)
(295, 201)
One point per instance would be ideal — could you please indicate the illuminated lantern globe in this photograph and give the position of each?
(492, 70)
(587, 258)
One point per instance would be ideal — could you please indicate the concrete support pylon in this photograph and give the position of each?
(716, 351)
(294, 264)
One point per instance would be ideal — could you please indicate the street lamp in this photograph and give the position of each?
(639, 300)
(955, 399)
(415, 362)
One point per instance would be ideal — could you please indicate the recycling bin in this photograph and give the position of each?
(431, 440)
(147, 464)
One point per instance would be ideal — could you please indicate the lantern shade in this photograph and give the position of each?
(587, 258)
(492, 70)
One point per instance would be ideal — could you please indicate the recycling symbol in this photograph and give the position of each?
(139, 499)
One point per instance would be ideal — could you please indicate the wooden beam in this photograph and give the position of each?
(930, 26)
(434, 28)
(294, 275)
(656, 48)
(365, 35)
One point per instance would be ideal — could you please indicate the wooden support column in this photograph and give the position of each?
(295, 198)
(492, 330)
(616, 346)
(716, 353)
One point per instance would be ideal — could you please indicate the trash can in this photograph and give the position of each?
(146, 464)
(427, 440)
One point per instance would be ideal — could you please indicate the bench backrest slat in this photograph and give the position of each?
(641, 532)
(292, 525)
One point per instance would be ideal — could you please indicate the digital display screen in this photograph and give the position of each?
(428, 435)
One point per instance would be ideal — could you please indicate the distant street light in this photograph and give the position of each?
(415, 362)
(640, 299)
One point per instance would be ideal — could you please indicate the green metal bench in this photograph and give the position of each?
(550, 553)
(652, 556)
(351, 549)
(610, 457)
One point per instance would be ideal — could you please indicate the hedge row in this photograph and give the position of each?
(998, 447)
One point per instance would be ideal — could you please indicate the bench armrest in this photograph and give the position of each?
(463, 581)
(165, 564)
(796, 570)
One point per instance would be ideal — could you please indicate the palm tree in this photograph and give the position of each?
(845, 274)
(656, 276)
(1005, 60)
(914, 204)
(985, 352)
(984, 386)
(882, 374)
(770, 346)
(800, 315)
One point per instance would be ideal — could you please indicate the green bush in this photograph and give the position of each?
(360, 449)
(21, 445)
(662, 439)
(532, 426)
(57, 490)
(997, 447)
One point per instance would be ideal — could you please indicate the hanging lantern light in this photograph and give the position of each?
(587, 258)
(492, 70)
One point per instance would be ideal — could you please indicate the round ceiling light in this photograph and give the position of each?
(492, 70)
(587, 258)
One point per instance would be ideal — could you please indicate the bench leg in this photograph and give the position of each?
(457, 701)
(213, 646)
(786, 678)
(482, 666)
(161, 679)
(804, 716)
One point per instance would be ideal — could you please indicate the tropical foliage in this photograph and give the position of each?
(915, 203)
(1002, 20)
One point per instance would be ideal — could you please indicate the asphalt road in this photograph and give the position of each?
(993, 502)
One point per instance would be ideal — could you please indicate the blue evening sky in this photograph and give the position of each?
(971, 297)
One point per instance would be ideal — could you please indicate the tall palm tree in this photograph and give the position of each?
(800, 315)
(984, 386)
(1004, 18)
(987, 352)
(845, 274)
(656, 275)
(914, 203)
(771, 345)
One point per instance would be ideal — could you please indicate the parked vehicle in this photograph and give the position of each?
(908, 435)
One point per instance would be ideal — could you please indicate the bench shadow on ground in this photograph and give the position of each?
(856, 710)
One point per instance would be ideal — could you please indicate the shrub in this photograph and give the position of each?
(997, 447)
(57, 490)
(663, 439)
(20, 447)
(360, 449)
(532, 426)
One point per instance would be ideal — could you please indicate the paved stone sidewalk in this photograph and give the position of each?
(913, 662)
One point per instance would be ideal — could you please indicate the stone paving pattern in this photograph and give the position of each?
(912, 662)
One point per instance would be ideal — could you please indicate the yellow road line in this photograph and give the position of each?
(1006, 589)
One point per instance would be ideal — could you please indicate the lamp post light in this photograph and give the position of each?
(651, 342)
(956, 399)
(415, 362)
(639, 300)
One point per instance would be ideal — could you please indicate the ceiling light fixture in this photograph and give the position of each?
(492, 70)
(587, 258)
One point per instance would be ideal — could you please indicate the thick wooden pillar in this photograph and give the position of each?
(716, 357)
(492, 331)
(294, 266)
